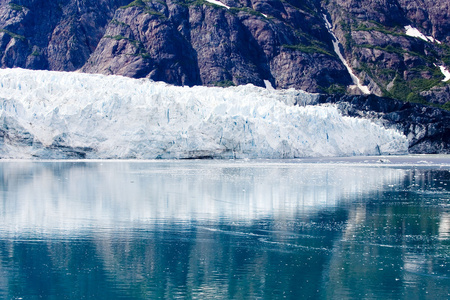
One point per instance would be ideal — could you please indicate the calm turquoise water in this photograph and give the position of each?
(305, 229)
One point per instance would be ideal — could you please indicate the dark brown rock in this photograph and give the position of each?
(189, 42)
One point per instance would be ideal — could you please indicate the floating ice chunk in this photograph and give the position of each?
(424, 162)
(383, 161)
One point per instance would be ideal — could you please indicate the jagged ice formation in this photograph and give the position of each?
(48, 114)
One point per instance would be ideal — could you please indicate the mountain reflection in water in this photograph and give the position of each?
(223, 230)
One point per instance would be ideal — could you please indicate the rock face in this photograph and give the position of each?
(184, 43)
(195, 42)
(199, 43)
(387, 56)
(56, 35)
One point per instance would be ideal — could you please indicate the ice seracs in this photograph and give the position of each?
(58, 115)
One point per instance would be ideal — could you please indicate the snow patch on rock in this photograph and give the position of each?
(216, 2)
(357, 83)
(414, 32)
(446, 73)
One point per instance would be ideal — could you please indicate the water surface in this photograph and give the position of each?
(359, 228)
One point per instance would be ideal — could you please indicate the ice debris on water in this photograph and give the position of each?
(383, 160)
(55, 114)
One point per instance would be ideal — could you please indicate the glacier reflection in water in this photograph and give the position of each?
(223, 230)
(69, 197)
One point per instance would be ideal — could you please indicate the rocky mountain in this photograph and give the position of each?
(396, 48)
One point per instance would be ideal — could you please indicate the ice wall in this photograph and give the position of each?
(59, 115)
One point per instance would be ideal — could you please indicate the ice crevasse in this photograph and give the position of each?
(47, 114)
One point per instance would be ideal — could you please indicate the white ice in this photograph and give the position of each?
(355, 79)
(119, 117)
(268, 85)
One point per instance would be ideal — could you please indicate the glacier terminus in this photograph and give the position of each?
(59, 115)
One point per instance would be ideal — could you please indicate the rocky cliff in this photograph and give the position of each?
(398, 47)
(233, 42)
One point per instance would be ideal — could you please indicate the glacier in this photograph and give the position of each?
(59, 115)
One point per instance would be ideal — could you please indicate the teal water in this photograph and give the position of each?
(303, 229)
